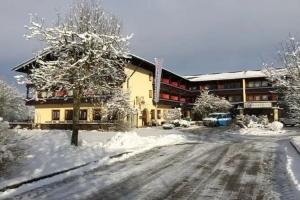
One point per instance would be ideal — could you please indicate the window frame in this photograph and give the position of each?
(66, 118)
(94, 114)
(80, 114)
(53, 115)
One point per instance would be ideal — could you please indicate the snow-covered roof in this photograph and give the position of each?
(227, 76)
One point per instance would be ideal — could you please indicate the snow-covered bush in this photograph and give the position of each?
(172, 114)
(208, 103)
(181, 122)
(168, 126)
(7, 137)
(12, 105)
(252, 121)
(275, 126)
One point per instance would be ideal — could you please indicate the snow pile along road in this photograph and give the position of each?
(274, 128)
(131, 141)
(49, 151)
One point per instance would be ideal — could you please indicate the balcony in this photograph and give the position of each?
(174, 98)
(164, 96)
(165, 80)
(174, 83)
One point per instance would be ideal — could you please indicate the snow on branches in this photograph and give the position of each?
(85, 56)
(118, 106)
(12, 105)
(172, 114)
(87, 51)
(207, 103)
(287, 78)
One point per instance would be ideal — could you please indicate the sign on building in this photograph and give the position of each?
(158, 69)
(258, 105)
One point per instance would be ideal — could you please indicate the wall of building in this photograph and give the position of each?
(43, 112)
(139, 84)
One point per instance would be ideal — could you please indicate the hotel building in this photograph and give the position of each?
(248, 91)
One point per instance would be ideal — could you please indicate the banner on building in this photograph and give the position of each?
(158, 69)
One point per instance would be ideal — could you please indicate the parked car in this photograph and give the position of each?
(217, 119)
(289, 121)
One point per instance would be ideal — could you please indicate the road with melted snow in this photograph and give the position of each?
(217, 166)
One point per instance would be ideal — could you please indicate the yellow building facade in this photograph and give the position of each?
(139, 84)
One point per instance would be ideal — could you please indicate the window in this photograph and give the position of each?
(264, 84)
(158, 114)
(250, 84)
(250, 98)
(230, 85)
(265, 97)
(83, 115)
(69, 115)
(97, 114)
(150, 76)
(257, 98)
(238, 98)
(55, 114)
(150, 93)
(152, 113)
(257, 83)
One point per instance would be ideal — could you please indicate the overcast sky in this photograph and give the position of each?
(192, 36)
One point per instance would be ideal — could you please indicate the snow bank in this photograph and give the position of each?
(131, 141)
(274, 128)
(50, 151)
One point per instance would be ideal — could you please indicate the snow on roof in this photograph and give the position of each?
(227, 76)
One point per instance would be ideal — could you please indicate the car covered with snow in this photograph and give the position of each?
(217, 119)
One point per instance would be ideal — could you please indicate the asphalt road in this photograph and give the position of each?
(216, 166)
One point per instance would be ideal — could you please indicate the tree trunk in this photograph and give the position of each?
(76, 113)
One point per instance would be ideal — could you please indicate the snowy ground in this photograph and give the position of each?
(49, 151)
(205, 163)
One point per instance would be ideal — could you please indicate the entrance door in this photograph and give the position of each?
(145, 117)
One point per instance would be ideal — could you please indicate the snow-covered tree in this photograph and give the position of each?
(12, 105)
(88, 55)
(172, 114)
(207, 103)
(118, 107)
(287, 78)
(6, 138)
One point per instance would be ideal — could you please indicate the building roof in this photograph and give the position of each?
(227, 76)
(25, 66)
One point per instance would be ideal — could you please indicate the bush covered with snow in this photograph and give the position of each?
(181, 122)
(7, 140)
(275, 126)
(252, 121)
(168, 126)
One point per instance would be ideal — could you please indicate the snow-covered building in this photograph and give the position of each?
(248, 91)
(56, 111)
